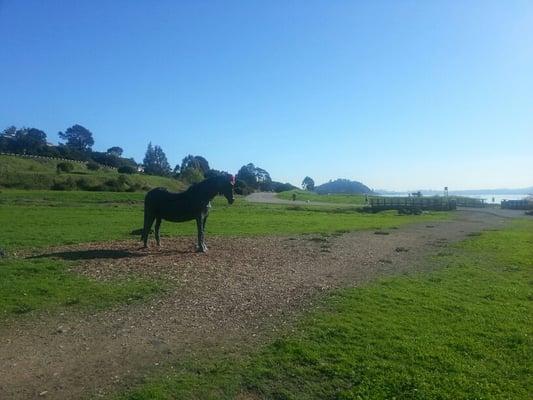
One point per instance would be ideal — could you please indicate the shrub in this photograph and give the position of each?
(85, 184)
(67, 184)
(119, 184)
(93, 166)
(123, 180)
(126, 169)
(65, 167)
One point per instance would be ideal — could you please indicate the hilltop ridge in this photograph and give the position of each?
(343, 186)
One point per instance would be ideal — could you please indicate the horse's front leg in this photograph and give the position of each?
(202, 248)
(157, 228)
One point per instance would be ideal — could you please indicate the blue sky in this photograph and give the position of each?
(396, 94)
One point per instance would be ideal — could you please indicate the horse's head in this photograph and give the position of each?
(226, 187)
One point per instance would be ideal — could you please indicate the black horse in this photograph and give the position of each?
(193, 203)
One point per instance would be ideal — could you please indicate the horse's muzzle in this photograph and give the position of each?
(230, 201)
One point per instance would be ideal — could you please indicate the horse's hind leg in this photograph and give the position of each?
(202, 248)
(157, 226)
(148, 221)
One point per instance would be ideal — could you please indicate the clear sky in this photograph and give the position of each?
(395, 94)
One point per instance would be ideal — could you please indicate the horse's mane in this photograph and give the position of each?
(201, 185)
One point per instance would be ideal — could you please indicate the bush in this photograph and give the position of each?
(126, 169)
(85, 184)
(65, 167)
(93, 166)
(67, 184)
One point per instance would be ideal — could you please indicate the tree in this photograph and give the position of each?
(176, 170)
(255, 177)
(9, 132)
(247, 175)
(263, 179)
(78, 138)
(29, 141)
(308, 183)
(23, 140)
(191, 175)
(215, 172)
(193, 168)
(155, 161)
(116, 151)
(197, 162)
(35, 137)
(203, 164)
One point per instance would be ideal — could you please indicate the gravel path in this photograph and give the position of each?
(238, 295)
(269, 197)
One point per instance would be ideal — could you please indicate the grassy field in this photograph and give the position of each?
(463, 331)
(36, 173)
(45, 284)
(302, 195)
(37, 219)
(33, 219)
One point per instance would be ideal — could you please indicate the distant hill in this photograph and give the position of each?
(344, 186)
(18, 172)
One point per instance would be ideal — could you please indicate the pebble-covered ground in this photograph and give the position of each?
(238, 295)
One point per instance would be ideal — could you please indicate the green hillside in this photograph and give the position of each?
(41, 173)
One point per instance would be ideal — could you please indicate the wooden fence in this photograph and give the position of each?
(517, 204)
(412, 203)
(469, 202)
(54, 159)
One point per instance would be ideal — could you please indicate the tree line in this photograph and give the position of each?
(78, 142)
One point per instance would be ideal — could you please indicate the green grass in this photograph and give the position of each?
(33, 219)
(47, 218)
(44, 284)
(302, 195)
(463, 331)
(36, 173)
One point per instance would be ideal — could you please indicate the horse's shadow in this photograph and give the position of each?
(90, 254)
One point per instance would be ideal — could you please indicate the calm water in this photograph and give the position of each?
(489, 197)
(497, 197)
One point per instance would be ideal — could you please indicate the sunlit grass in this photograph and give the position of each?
(461, 332)
(37, 219)
(33, 219)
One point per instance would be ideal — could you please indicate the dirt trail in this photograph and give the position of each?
(237, 295)
(271, 198)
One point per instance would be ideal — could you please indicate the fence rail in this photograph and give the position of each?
(469, 202)
(411, 203)
(81, 162)
(517, 204)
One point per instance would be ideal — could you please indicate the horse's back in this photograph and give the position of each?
(155, 194)
(168, 205)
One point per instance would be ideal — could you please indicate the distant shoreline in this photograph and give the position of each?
(489, 197)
